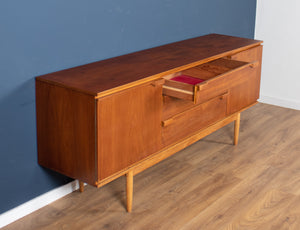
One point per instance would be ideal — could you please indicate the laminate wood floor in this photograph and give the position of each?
(209, 185)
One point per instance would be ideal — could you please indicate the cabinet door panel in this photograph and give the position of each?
(243, 94)
(247, 92)
(129, 127)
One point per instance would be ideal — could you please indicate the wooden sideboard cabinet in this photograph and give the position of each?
(119, 116)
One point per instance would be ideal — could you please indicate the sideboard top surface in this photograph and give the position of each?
(111, 75)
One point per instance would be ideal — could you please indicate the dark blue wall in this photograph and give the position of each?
(38, 37)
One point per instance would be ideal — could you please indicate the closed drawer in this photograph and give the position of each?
(214, 77)
(188, 122)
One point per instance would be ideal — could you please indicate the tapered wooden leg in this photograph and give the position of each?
(81, 186)
(129, 190)
(237, 128)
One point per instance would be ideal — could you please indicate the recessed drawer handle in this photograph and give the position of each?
(167, 122)
(254, 64)
(158, 82)
(224, 95)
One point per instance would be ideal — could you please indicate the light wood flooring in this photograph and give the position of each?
(209, 185)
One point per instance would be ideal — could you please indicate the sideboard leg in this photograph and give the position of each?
(129, 190)
(81, 186)
(237, 128)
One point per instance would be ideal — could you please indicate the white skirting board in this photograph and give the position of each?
(291, 104)
(37, 203)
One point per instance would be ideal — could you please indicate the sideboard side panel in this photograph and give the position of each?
(129, 127)
(66, 131)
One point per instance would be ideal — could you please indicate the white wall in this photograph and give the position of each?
(278, 25)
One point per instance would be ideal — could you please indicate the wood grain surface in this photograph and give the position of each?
(128, 127)
(184, 124)
(114, 74)
(211, 185)
(66, 131)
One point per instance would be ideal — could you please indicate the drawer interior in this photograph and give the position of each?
(184, 84)
(214, 68)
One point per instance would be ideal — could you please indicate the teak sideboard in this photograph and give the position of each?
(122, 115)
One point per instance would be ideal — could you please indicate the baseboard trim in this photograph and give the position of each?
(291, 104)
(37, 203)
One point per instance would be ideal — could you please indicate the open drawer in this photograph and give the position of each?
(214, 78)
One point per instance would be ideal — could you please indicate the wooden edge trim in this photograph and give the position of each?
(169, 151)
(196, 88)
(178, 90)
(96, 117)
(179, 85)
(39, 79)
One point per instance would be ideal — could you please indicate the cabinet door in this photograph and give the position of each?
(129, 127)
(247, 92)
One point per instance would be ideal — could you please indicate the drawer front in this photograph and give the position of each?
(226, 81)
(179, 90)
(190, 121)
(217, 77)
